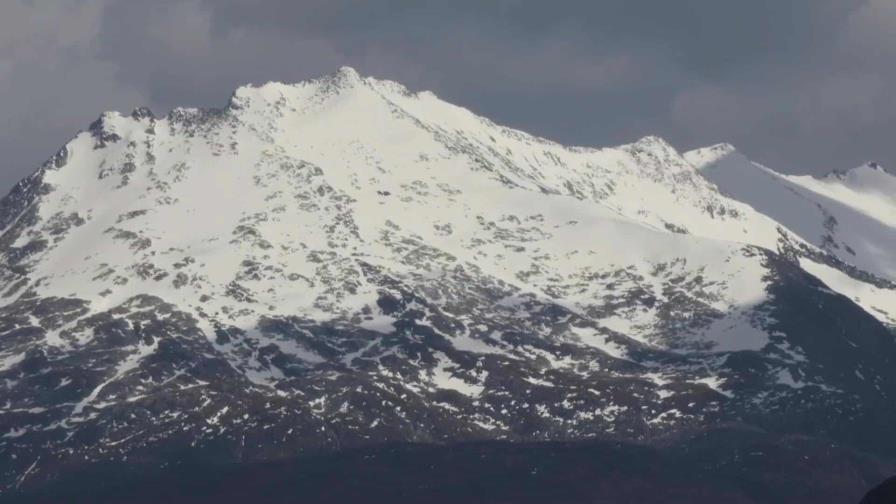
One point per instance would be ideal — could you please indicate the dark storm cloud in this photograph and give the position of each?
(801, 85)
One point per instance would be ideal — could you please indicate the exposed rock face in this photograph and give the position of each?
(341, 262)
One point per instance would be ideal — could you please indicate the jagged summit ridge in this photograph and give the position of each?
(872, 166)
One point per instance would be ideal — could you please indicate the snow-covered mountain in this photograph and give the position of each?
(342, 262)
(849, 215)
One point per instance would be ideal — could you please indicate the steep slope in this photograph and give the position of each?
(341, 262)
(850, 215)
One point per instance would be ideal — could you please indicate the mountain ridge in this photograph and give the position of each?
(340, 262)
(850, 216)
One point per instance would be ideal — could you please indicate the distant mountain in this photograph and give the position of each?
(342, 263)
(851, 215)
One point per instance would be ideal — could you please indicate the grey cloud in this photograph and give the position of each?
(51, 82)
(801, 85)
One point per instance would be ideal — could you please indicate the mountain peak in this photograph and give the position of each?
(142, 113)
(345, 77)
(653, 141)
(347, 73)
(875, 166)
(869, 167)
(708, 156)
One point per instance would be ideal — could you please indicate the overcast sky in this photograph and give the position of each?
(804, 86)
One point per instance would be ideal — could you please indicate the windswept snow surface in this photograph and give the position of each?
(850, 215)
